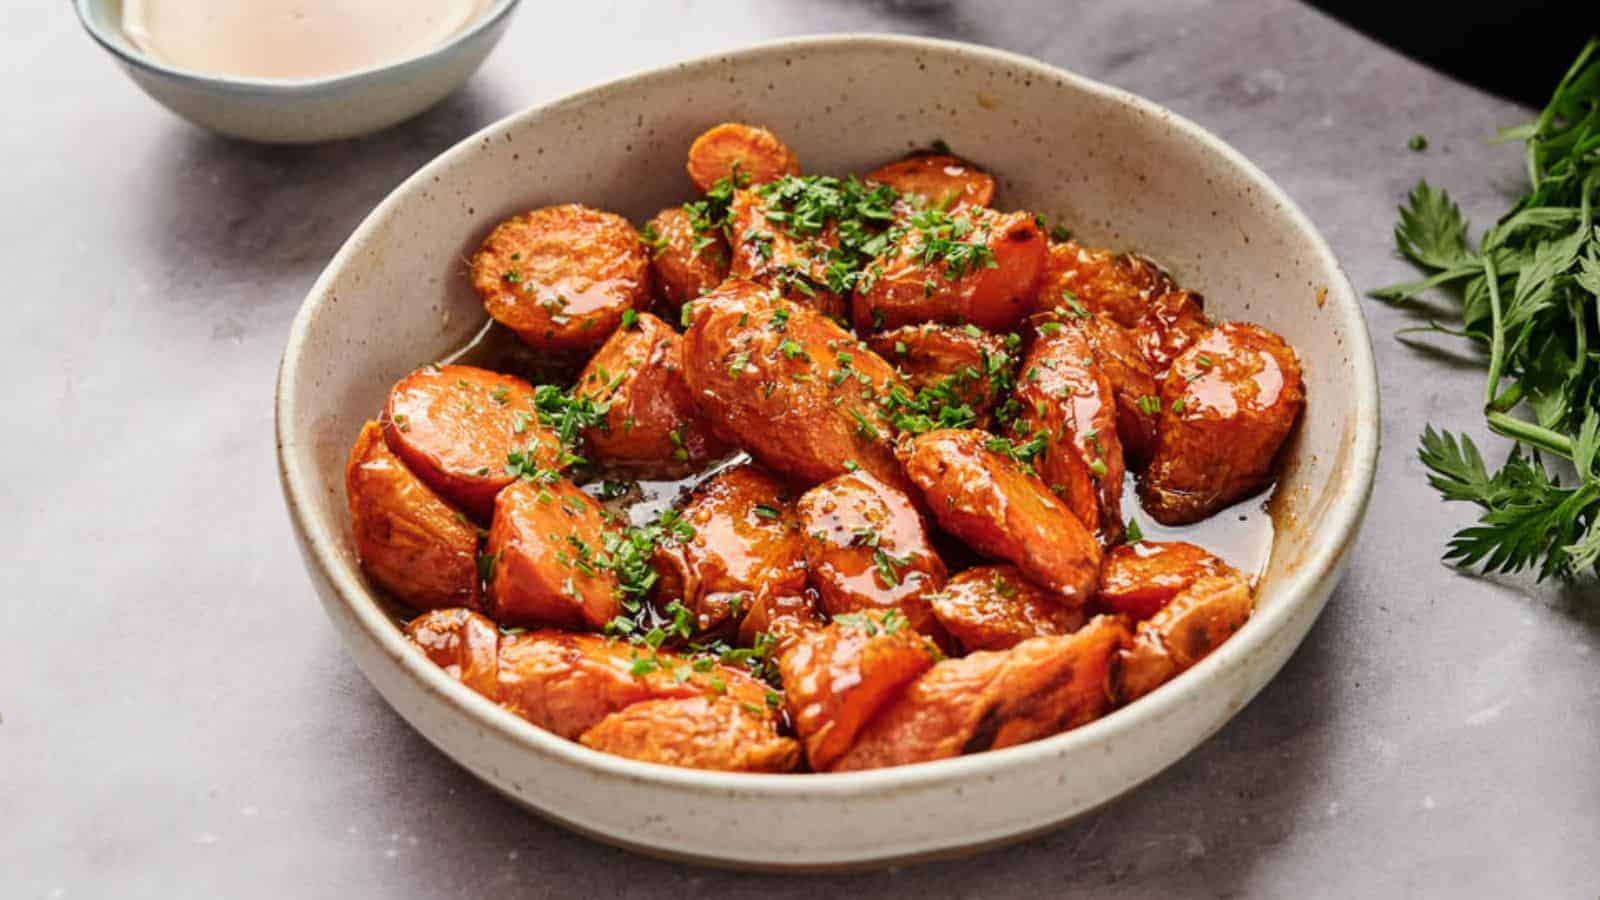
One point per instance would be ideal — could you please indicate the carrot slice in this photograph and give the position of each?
(745, 153)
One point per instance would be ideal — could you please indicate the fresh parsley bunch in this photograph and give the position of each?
(1529, 293)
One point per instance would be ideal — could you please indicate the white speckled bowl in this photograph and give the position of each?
(278, 111)
(1120, 170)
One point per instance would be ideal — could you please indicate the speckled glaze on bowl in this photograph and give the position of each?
(278, 111)
(1117, 169)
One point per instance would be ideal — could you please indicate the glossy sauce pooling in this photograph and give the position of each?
(292, 39)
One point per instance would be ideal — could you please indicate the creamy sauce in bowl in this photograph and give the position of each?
(292, 39)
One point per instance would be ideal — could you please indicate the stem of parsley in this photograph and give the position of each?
(1530, 434)
(1497, 335)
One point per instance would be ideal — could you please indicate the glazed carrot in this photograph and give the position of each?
(409, 541)
(938, 178)
(754, 153)
(455, 425)
(561, 277)
(545, 551)
(836, 679)
(1139, 579)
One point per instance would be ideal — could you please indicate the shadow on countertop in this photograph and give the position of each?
(263, 210)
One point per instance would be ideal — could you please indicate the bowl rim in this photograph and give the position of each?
(239, 84)
(1345, 509)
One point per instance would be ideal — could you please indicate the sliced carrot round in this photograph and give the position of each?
(754, 153)
(837, 678)
(561, 277)
(464, 643)
(1139, 579)
(455, 426)
(939, 178)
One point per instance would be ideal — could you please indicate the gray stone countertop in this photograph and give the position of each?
(177, 718)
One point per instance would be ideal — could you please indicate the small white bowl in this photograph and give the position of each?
(281, 111)
(1119, 170)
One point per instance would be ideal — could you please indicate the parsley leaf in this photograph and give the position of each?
(1432, 231)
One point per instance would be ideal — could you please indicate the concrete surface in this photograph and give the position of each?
(178, 720)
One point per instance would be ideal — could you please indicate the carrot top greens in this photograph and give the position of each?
(1528, 293)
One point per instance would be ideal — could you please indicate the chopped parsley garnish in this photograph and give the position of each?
(888, 566)
(952, 241)
(863, 427)
(486, 563)
(525, 463)
(568, 414)
(627, 556)
(804, 206)
(858, 621)
(708, 216)
(948, 403)
(1022, 452)
(653, 239)
(1134, 534)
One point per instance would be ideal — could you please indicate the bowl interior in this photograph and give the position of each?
(1118, 171)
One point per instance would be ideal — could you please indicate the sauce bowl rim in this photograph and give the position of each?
(116, 43)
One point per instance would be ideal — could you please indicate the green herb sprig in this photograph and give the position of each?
(568, 414)
(946, 402)
(1528, 293)
(804, 207)
(708, 216)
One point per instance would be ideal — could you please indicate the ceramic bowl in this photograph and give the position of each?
(1121, 171)
(279, 111)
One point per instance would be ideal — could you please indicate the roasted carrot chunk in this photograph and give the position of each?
(995, 608)
(410, 542)
(544, 552)
(938, 178)
(455, 425)
(835, 679)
